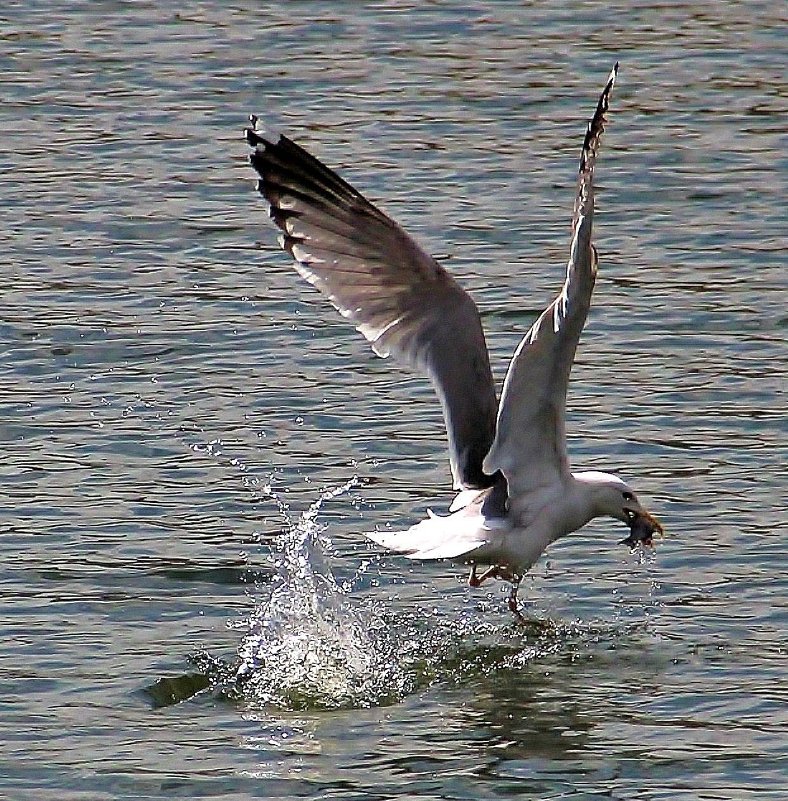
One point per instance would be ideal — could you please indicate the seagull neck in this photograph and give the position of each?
(582, 497)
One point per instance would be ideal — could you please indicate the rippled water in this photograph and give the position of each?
(193, 443)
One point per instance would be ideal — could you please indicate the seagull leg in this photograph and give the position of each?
(504, 573)
(473, 580)
(513, 605)
(477, 581)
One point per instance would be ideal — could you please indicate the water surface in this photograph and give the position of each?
(174, 402)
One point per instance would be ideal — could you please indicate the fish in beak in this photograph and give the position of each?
(642, 527)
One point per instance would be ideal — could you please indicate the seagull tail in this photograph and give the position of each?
(437, 537)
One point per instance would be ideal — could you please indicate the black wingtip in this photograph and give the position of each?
(256, 137)
(253, 138)
(612, 77)
(597, 123)
(257, 160)
(250, 134)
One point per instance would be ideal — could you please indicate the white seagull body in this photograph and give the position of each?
(509, 460)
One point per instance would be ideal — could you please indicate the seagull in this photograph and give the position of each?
(508, 460)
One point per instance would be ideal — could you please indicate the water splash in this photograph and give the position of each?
(309, 644)
(312, 643)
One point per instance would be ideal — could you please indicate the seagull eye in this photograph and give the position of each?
(628, 496)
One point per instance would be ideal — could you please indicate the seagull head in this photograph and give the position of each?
(612, 497)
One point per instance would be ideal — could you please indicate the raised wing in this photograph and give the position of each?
(530, 442)
(397, 295)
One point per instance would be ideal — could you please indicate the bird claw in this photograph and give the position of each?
(514, 607)
(505, 574)
(496, 571)
(477, 581)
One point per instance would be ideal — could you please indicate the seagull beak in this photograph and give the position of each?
(642, 527)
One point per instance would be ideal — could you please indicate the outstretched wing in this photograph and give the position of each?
(530, 441)
(397, 295)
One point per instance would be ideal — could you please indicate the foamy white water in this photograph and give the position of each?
(309, 642)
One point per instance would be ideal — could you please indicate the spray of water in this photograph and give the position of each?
(312, 643)
(309, 643)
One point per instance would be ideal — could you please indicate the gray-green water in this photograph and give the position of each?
(172, 397)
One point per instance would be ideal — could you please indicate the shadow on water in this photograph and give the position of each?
(311, 644)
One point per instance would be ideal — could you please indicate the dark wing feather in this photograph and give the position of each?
(397, 295)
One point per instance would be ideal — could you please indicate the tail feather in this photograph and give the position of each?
(438, 537)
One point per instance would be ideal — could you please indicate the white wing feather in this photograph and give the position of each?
(530, 441)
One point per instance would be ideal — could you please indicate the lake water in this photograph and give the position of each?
(193, 442)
